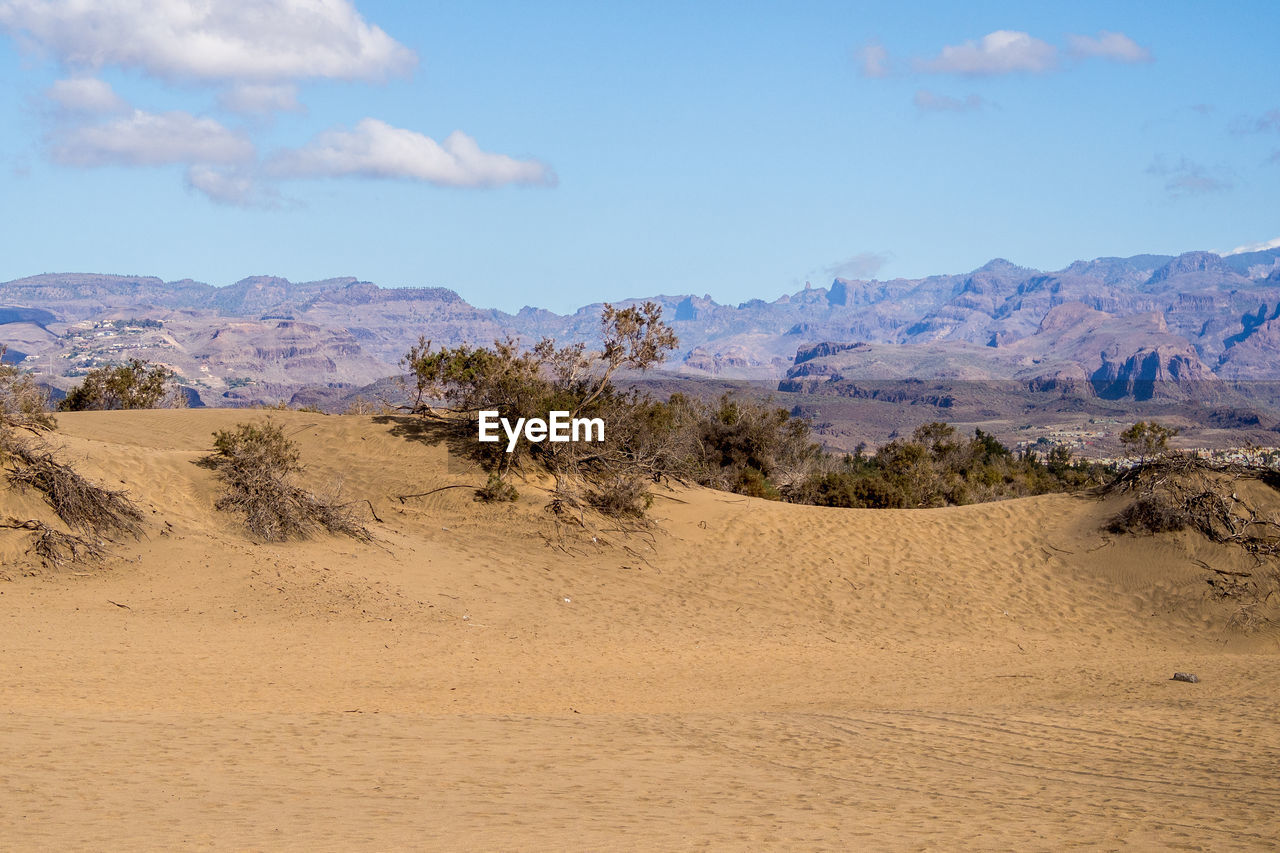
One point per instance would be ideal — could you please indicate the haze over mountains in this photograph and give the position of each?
(1109, 326)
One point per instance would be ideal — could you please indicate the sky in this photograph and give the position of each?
(558, 154)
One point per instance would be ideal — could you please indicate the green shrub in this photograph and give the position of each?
(132, 385)
(519, 383)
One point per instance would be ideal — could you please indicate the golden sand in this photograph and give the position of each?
(748, 675)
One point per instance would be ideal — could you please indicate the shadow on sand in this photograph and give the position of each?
(465, 454)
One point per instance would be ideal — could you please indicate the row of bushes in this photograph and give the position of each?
(733, 443)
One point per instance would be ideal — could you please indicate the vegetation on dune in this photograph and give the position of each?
(609, 475)
(23, 404)
(136, 384)
(938, 467)
(89, 512)
(735, 444)
(1176, 491)
(257, 464)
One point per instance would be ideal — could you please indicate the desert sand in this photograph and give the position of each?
(745, 675)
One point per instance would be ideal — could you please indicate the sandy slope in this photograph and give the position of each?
(750, 675)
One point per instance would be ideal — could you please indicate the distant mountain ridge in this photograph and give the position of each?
(1107, 323)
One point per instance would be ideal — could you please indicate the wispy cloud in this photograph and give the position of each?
(932, 102)
(150, 139)
(236, 186)
(1186, 177)
(263, 40)
(1000, 52)
(1268, 122)
(1010, 52)
(260, 99)
(861, 265)
(85, 96)
(873, 60)
(375, 149)
(1108, 45)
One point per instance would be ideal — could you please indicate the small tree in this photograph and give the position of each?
(519, 383)
(1147, 440)
(136, 384)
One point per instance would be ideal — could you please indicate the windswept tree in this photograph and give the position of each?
(531, 383)
(136, 384)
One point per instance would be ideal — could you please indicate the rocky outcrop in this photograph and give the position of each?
(826, 348)
(1163, 372)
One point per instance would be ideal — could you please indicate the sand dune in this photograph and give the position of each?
(746, 675)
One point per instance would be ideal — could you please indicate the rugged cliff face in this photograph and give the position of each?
(1076, 350)
(1150, 372)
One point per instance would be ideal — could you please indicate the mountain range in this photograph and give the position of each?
(1113, 327)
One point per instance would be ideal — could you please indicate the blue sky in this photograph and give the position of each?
(557, 154)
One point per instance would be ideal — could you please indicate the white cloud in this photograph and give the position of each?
(1254, 247)
(151, 139)
(261, 98)
(260, 40)
(874, 60)
(1000, 52)
(927, 101)
(85, 96)
(232, 186)
(375, 149)
(1108, 45)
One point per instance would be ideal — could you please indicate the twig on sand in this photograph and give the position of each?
(403, 498)
(1205, 565)
(118, 604)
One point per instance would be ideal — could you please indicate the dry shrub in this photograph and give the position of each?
(1202, 495)
(23, 404)
(620, 496)
(362, 406)
(1179, 491)
(1149, 514)
(55, 546)
(80, 504)
(256, 463)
